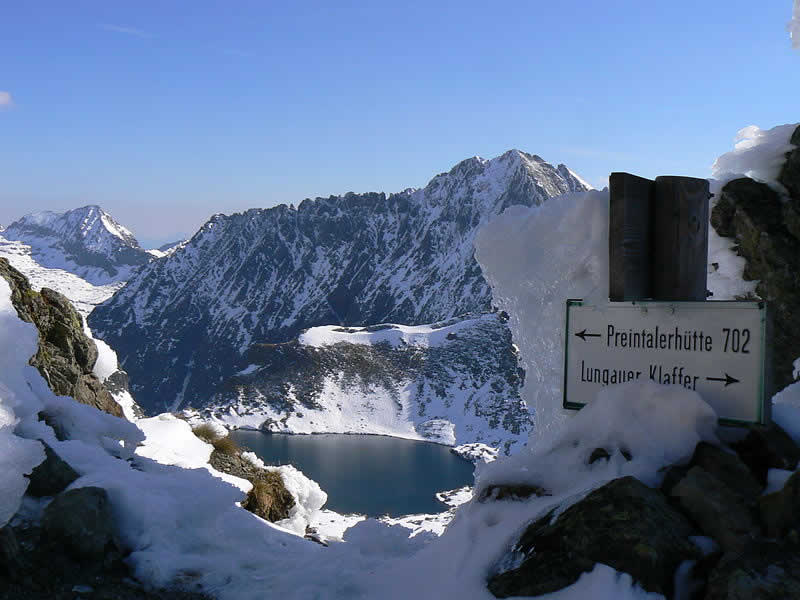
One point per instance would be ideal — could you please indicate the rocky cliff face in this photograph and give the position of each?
(454, 382)
(66, 356)
(85, 241)
(766, 227)
(265, 275)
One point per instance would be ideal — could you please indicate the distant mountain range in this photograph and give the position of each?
(184, 323)
(85, 241)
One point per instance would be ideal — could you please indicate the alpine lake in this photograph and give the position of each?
(373, 475)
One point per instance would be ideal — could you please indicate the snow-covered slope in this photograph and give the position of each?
(84, 295)
(265, 275)
(85, 241)
(455, 382)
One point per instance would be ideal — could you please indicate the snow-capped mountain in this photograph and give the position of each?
(454, 382)
(85, 241)
(267, 274)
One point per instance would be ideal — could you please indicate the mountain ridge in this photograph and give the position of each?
(264, 275)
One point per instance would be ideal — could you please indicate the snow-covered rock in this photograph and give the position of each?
(263, 276)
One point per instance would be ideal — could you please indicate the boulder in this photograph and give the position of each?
(624, 524)
(52, 476)
(767, 447)
(717, 510)
(728, 468)
(81, 521)
(780, 511)
(764, 570)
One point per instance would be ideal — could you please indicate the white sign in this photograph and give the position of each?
(714, 348)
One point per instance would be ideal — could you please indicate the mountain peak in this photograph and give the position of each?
(86, 241)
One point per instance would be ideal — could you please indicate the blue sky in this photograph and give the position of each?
(167, 112)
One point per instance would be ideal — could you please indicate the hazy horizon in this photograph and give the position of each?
(152, 110)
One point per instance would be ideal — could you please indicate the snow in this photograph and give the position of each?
(563, 245)
(758, 154)
(308, 496)
(106, 364)
(476, 452)
(84, 295)
(786, 410)
(603, 583)
(248, 370)
(59, 240)
(394, 335)
(17, 456)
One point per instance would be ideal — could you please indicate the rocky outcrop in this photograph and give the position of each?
(645, 532)
(766, 228)
(269, 498)
(65, 356)
(51, 476)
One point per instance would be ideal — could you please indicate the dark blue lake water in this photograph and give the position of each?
(368, 474)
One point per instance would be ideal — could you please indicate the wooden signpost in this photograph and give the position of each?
(657, 324)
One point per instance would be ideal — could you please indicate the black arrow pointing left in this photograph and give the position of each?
(727, 379)
(583, 335)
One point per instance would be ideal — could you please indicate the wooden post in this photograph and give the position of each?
(629, 237)
(680, 238)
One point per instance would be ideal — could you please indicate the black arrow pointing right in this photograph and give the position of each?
(583, 335)
(727, 379)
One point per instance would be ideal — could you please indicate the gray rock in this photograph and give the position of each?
(780, 511)
(767, 447)
(81, 521)
(763, 570)
(623, 524)
(718, 511)
(728, 468)
(52, 476)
